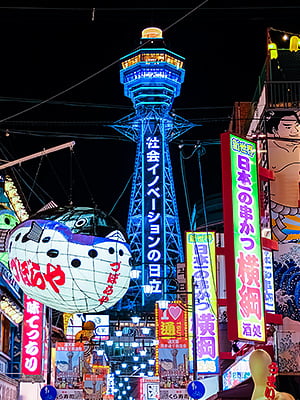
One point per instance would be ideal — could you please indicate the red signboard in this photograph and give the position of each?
(172, 331)
(32, 349)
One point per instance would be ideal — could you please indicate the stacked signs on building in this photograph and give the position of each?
(32, 347)
(244, 271)
(202, 296)
(171, 332)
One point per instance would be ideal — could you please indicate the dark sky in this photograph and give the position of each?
(45, 51)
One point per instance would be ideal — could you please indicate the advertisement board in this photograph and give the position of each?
(202, 295)
(242, 233)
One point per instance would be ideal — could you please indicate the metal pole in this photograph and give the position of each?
(195, 372)
(49, 345)
(39, 154)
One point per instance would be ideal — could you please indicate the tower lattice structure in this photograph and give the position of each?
(152, 78)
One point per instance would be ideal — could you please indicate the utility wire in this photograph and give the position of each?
(96, 73)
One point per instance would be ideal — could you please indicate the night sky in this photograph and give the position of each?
(45, 51)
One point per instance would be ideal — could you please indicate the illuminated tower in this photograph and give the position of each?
(152, 78)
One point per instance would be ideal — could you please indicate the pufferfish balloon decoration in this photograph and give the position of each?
(72, 259)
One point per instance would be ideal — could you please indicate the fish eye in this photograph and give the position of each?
(111, 250)
(121, 252)
(17, 237)
(25, 239)
(80, 222)
(75, 263)
(7, 221)
(93, 253)
(46, 239)
(52, 253)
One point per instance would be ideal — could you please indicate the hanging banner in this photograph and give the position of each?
(172, 334)
(202, 294)
(172, 326)
(269, 281)
(242, 233)
(32, 343)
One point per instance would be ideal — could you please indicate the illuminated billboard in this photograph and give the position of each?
(202, 293)
(243, 254)
(32, 343)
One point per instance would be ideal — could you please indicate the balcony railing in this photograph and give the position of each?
(283, 94)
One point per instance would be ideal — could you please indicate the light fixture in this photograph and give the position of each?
(126, 379)
(134, 344)
(145, 330)
(117, 372)
(135, 367)
(128, 387)
(124, 365)
(143, 366)
(119, 397)
(147, 289)
(100, 352)
(109, 342)
(118, 333)
(150, 373)
(163, 304)
(121, 384)
(151, 361)
(124, 392)
(135, 358)
(143, 353)
(135, 319)
(135, 273)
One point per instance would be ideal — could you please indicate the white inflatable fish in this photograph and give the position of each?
(59, 259)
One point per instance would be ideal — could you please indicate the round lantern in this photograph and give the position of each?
(72, 259)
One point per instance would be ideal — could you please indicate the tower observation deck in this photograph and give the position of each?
(152, 78)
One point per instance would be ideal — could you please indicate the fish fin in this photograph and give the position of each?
(116, 235)
(35, 232)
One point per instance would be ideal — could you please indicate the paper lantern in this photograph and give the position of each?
(74, 260)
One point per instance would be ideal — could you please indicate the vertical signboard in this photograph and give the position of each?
(202, 294)
(32, 343)
(154, 255)
(244, 270)
(69, 361)
(172, 334)
(269, 281)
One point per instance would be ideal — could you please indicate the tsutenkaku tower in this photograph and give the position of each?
(152, 78)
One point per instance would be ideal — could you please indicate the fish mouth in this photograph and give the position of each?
(34, 234)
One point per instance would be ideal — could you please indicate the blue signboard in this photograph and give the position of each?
(196, 389)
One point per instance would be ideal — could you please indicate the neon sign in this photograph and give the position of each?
(244, 272)
(32, 337)
(201, 272)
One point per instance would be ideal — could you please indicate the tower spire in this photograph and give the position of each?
(152, 76)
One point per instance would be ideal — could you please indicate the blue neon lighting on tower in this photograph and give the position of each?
(152, 78)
